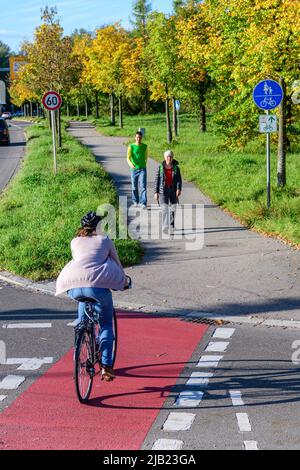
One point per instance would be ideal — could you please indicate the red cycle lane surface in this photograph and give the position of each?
(151, 355)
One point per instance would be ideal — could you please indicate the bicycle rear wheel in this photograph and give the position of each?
(84, 366)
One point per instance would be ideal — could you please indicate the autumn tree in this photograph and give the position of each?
(164, 67)
(140, 11)
(193, 37)
(106, 66)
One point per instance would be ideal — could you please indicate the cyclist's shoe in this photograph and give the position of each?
(107, 374)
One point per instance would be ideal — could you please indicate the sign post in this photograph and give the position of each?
(177, 107)
(267, 95)
(52, 101)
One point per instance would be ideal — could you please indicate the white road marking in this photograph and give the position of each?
(2, 352)
(199, 378)
(32, 363)
(223, 333)
(243, 422)
(167, 444)
(209, 361)
(236, 397)
(27, 325)
(179, 422)
(217, 346)
(11, 382)
(251, 445)
(189, 398)
(2, 397)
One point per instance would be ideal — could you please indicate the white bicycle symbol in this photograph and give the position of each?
(267, 101)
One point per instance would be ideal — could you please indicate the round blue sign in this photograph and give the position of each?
(267, 94)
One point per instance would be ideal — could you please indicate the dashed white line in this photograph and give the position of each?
(243, 422)
(189, 398)
(223, 333)
(217, 346)
(209, 361)
(27, 325)
(236, 398)
(199, 378)
(179, 422)
(167, 444)
(251, 445)
(11, 382)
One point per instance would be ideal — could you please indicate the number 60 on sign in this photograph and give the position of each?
(52, 100)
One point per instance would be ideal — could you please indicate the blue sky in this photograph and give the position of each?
(19, 18)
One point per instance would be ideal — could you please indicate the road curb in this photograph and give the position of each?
(48, 288)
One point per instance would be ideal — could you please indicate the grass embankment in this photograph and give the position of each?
(40, 212)
(236, 180)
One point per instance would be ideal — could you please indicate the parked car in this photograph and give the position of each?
(6, 115)
(18, 114)
(4, 132)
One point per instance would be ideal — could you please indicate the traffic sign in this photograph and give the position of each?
(52, 100)
(267, 94)
(267, 123)
(177, 105)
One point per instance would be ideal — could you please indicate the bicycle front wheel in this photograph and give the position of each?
(115, 343)
(84, 366)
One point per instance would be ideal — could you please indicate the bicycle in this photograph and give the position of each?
(87, 354)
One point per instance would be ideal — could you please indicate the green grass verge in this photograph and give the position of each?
(234, 180)
(40, 212)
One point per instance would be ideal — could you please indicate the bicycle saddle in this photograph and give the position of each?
(87, 300)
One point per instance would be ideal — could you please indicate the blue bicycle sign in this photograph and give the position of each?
(267, 94)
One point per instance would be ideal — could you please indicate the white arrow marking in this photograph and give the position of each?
(33, 363)
(11, 382)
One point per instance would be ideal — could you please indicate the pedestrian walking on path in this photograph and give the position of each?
(167, 189)
(137, 156)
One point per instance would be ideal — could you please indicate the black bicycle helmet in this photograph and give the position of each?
(90, 220)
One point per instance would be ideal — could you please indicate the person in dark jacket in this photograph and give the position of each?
(167, 189)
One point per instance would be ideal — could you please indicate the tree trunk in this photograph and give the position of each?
(112, 110)
(202, 109)
(68, 110)
(175, 120)
(121, 125)
(97, 105)
(86, 109)
(78, 110)
(282, 139)
(31, 109)
(169, 129)
(146, 99)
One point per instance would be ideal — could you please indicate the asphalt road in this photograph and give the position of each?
(255, 366)
(10, 156)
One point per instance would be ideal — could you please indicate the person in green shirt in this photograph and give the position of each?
(137, 156)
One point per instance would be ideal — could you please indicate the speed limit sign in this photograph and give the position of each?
(52, 100)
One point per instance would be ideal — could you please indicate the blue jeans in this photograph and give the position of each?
(139, 186)
(104, 307)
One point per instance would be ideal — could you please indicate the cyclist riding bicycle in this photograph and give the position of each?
(93, 271)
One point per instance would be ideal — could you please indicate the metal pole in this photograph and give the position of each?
(268, 168)
(54, 140)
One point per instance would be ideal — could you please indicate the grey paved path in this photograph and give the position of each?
(237, 272)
